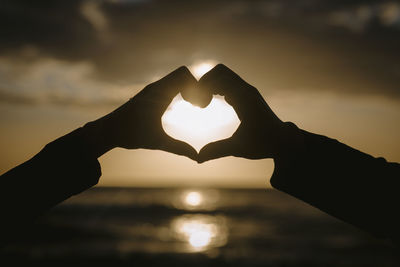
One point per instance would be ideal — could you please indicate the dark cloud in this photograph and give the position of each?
(32, 100)
(54, 27)
(341, 46)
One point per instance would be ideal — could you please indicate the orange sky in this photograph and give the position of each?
(331, 68)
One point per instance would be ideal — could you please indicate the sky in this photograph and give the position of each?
(331, 67)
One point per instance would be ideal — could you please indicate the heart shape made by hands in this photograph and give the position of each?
(200, 126)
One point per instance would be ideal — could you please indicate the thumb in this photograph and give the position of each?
(179, 148)
(215, 150)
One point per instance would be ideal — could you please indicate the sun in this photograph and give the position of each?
(200, 126)
(200, 68)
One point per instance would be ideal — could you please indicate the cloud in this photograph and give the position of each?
(92, 12)
(277, 45)
(51, 81)
(390, 14)
(360, 18)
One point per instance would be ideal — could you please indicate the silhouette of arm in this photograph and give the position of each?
(69, 165)
(342, 181)
(339, 180)
(64, 167)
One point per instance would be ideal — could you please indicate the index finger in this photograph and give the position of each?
(169, 86)
(223, 81)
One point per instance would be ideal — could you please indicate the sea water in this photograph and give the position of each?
(194, 227)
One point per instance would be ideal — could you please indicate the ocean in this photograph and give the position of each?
(193, 227)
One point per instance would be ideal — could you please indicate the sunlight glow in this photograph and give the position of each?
(200, 126)
(201, 68)
(196, 199)
(198, 233)
(193, 198)
(200, 238)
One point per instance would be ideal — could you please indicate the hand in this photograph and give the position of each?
(261, 133)
(137, 123)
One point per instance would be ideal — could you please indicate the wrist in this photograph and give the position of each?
(97, 137)
(289, 143)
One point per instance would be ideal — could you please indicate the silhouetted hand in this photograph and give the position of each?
(261, 133)
(137, 123)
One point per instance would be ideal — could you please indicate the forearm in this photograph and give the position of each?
(341, 181)
(65, 167)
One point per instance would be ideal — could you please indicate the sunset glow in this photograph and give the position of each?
(193, 198)
(54, 81)
(200, 126)
(201, 68)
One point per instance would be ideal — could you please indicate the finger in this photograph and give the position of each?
(215, 150)
(182, 81)
(179, 148)
(169, 86)
(223, 81)
(196, 96)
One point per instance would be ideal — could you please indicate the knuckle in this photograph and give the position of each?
(183, 70)
(221, 66)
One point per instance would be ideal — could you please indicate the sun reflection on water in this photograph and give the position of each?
(200, 232)
(193, 198)
(204, 199)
